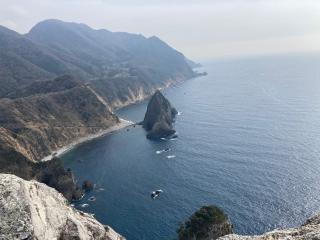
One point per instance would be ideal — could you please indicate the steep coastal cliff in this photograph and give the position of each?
(50, 115)
(31, 210)
(47, 119)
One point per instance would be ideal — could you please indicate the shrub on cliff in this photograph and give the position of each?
(208, 220)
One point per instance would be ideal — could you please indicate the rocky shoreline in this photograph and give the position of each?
(159, 117)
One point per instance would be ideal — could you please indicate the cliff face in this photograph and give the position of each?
(50, 115)
(31, 210)
(159, 117)
(309, 230)
(40, 123)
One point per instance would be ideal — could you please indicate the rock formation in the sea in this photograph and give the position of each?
(87, 186)
(310, 230)
(32, 210)
(208, 223)
(159, 117)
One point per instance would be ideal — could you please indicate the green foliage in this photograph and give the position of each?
(198, 224)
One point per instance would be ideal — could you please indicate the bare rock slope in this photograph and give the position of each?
(32, 210)
(310, 230)
(44, 117)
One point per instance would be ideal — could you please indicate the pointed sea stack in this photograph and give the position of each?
(159, 117)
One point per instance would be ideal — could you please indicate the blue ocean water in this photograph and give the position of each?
(249, 142)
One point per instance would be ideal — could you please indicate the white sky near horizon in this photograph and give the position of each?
(201, 29)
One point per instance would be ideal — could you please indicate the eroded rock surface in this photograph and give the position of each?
(310, 230)
(159, 117)
(32, 210)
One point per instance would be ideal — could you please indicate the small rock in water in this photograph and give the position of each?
(156, 193)
(87, 186)
(162, 151)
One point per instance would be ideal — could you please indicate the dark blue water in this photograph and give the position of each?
(249, 141)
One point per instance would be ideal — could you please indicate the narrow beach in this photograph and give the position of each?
(123, 123)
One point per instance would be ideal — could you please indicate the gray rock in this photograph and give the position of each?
(159, 117)
(310, 230)
(32, 210)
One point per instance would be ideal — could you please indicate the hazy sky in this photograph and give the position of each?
(201, 29)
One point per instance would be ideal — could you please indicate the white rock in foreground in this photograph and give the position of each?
(308, 231)
(32, 210)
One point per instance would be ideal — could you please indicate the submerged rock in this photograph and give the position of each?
(159, 117)
(208, 223)
(32, 210)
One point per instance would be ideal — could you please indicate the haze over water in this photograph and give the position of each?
(249, 142)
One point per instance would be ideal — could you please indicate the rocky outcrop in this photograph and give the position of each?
(32, 210)
(208, 223)
(50, 172)
(159, 117)
(309, 230)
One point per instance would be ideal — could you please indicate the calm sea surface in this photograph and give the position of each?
(249, 142)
